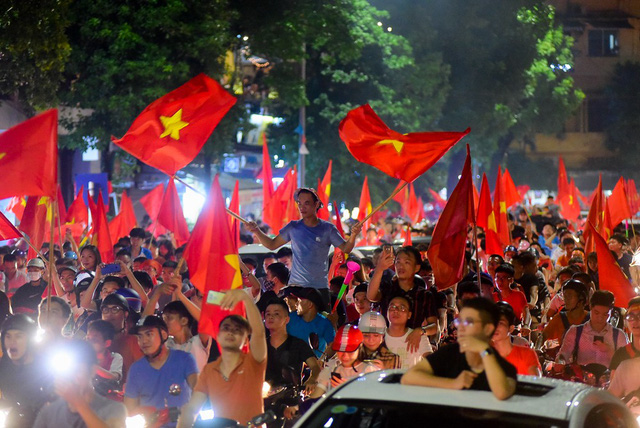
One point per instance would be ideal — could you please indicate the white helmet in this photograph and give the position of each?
(372, 322)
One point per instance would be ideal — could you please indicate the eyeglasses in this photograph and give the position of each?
(633, 317)
(468, 322)
(398, 308)
(502, 278)
(111, 309)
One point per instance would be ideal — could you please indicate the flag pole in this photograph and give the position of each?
(51, 259)
(59, 225)
(231, 213)
(385, 202)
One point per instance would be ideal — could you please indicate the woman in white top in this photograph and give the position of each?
(398, 314)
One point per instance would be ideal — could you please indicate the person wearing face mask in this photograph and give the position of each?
(27, 298)
(277, 278)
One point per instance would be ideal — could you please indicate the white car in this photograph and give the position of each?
(378, 400)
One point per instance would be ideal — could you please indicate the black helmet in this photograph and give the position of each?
(578, 287)
(20, 322)
(116, 299)
(150, 321)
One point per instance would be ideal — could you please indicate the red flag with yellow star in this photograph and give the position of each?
(212, 258)
(619, 203)
(324, 192)
(16, 206)
(403, 156)
(29, 157)
(35, 221)
(500, 211)
(365, 208)
(486, 219)
(171, 215)
(170, 132)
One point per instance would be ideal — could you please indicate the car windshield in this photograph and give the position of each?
(386, 414)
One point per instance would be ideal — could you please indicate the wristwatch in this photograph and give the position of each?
(488, 351)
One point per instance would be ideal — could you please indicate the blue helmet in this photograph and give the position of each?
(132, 297)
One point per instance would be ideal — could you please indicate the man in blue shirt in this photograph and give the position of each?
(307, 320)
(164, 378)
(311, 238)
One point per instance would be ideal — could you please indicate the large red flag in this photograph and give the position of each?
(511, 194)
(101, 236)
(500, 211)
(212, 258)
(610, 276)
(170, 131)
(7, 229)
(619, 204)
(234, 206)
(29, 157)
(78, 211)
(267, 182)
(448, 242)
(171, 215)
(324, 192)
(563, 181)
(152, 201)
(403, 156)
(121, 225)
(486, 219)
(364, 207)
(437, 199)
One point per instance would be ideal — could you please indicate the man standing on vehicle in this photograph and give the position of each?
(596, 340)
(471, 363)
(311, 238)
(233, 383)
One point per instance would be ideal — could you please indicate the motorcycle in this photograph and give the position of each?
(278, 398)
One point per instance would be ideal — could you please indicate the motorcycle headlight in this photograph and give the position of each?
(206, 415)
(136, 421)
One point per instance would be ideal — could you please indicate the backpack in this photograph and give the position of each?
(574, 355)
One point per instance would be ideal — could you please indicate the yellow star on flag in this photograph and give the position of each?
(2, 155)
(234, 262)
(503, 207)
(395, 143)
(173, 125)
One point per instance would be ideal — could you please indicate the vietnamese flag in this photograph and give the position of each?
(324, 192)
(267, 181)
(511, 194)
(101, 236)
(171, 215)
(16, 206)
(170, 131)
(449, 240)
(402, 197)
(403, 156)
(570, 204)
(153, 200)
(212, 258)
(563, 181)
(78, 211)
(364, 207)
(234, 206)
(437, 199)
(29, 157)
(595, 216)
(287, 198)
(121, 224)
(634, 197)
(414, 208)
(619, 204)
(486, 219)
(610, 275)
(36, 220)
(7, 229)
(500, 211)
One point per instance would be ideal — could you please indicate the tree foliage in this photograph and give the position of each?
(33, 51)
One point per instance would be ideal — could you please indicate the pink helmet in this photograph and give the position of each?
(348, 339)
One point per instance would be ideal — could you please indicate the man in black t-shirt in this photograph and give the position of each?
(27, 298)
(286, 352)
(471, 363)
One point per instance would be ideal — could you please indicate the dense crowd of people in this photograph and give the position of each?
(105, 341)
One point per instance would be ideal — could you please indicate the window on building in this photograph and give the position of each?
(597, 111)
(603, 43)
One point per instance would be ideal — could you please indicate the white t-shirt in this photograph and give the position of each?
(334, 365)
(194, 346)
(398, 346)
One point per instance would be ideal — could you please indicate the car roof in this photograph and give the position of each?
(558, 398)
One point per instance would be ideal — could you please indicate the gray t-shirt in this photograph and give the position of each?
(57, 414)
(310, 247)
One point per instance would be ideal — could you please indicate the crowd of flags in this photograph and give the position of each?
(170, 132)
